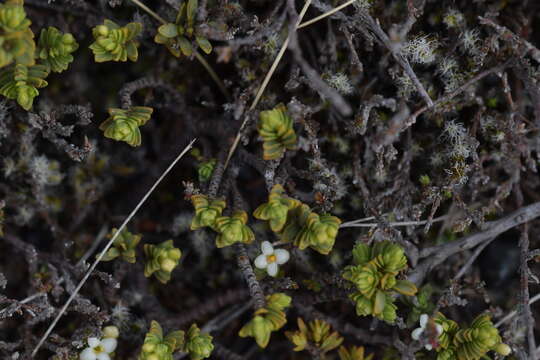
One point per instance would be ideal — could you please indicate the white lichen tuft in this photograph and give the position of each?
(470, 40)
(341, 83)
(453, 18)
(420, 50)
(45, 172)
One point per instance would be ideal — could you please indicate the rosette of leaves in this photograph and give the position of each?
(276, 129)
(16, 38)
(158, 347)
(123, 124)
(21, 83)
(177, 36)
(276, 209)
(124, 246)
(470, 343)
(233, 229)
(353, 353)
(198, 345)
(316, 334)
(205, 170)
(55, 48)
(306, 228)
(267, 319)
(206, 211)
(114, 42)
(161, 260)
(374, 277)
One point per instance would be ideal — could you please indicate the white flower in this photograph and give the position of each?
(270, 258)
(101, 349)
(423, 323)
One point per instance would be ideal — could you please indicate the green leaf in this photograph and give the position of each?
(405, 287)
(191, 12)
(185, 46)
(168, 30)
(204, 44)
(361, 253)
(380, 302)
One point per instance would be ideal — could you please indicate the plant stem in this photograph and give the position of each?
(326, 14)
(198, 56)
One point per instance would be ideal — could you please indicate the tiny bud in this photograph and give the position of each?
(503, 349)
(102, 30)
(111, 332)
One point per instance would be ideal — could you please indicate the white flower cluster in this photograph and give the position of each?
(101, 349)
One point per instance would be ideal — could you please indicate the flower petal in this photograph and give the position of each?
(103, 356)
(416, 333)
(109, 344)
(272, 269)
(88, 354)
(93, 342)
(423, 320)
(428, 347)
(439, 328)
(282, 256)
(260, 262)
(267, 248)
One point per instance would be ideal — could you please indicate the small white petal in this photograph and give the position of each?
(93, 342)
(267, 248)
(109, 345)
(272, 269)
(88, 354)
(103, 356)
(423, 320)
(416, 333)
(428, 347)
(282, 256)
(439, 329)
(260, 262)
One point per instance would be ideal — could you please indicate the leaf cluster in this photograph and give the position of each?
(123, 124)
(374, 276)
(114, 42)
(277, 132)
(470, 343)
(161, 260)
(177, 36)
(316, 334)
(158, 347)
(267, 319)
(295, 222)
(124, 246)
